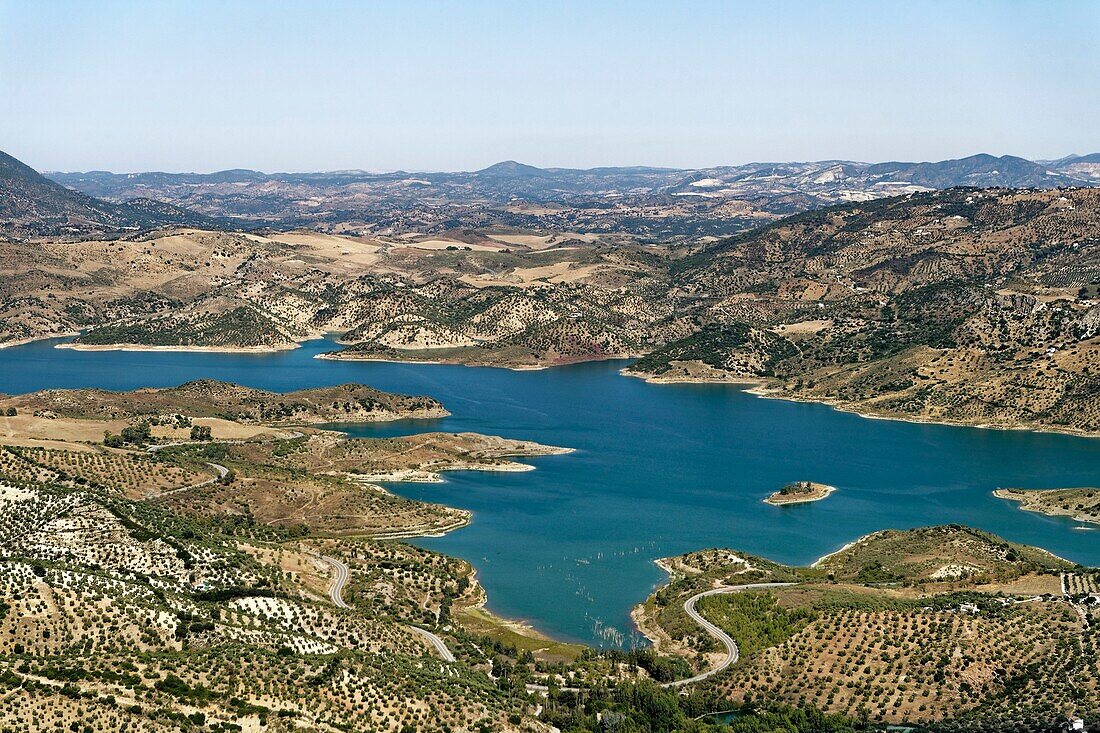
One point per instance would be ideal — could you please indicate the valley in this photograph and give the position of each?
(283, 547)
(970, 306)
(210, 598)
(583, 367)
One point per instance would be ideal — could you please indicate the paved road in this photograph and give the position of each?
(436, 642)
(340, 574)
(731, 645)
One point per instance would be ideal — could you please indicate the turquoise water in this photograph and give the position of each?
(658, 470)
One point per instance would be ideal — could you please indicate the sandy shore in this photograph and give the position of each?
(210, 349)
(413, 476)
(759, 387)
(846, 547)
(434, 532)
(763, 392)
(32, 339)
(657, 379)
(648, 626)
(339, 356)
(335, 356)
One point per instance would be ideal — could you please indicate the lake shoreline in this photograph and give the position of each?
(1023, 499)
(658, 472)
(756, 386)
(195, 349)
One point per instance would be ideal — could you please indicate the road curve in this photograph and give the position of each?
(731, 645)
(340, 574)
(436, 642)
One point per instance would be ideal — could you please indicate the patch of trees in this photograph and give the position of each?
(135, 434)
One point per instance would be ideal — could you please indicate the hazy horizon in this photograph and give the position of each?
(382, 171)
(128, 87)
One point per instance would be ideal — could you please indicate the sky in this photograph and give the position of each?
(297, 86)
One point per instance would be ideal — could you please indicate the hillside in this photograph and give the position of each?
(251, 580)
(32, 205)
(955, 306)
(179, 560)
(211, 398)
(947, 627)
(975, 306)
(168, 564)
(1079, 504)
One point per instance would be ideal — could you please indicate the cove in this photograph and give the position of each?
(658, 470)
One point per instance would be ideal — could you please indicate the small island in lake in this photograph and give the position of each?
(1081, 504)
(799, 492)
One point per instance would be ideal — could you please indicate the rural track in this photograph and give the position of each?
(222, 470)
(336, 595)
(293, 435)
(732, 651)
(222, 473)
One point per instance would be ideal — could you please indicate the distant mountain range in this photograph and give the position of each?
(653, 203)
(981, 170)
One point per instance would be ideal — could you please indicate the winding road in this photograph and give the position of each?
(340, 575)
(732, 651)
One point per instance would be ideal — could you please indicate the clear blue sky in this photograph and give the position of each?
(195, 85)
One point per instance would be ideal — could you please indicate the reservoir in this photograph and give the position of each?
(658, 470)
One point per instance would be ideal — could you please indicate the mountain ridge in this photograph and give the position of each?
(657, 204)
(33, 205)
(521, 168)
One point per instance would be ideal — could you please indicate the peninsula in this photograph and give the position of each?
(1082, 504)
